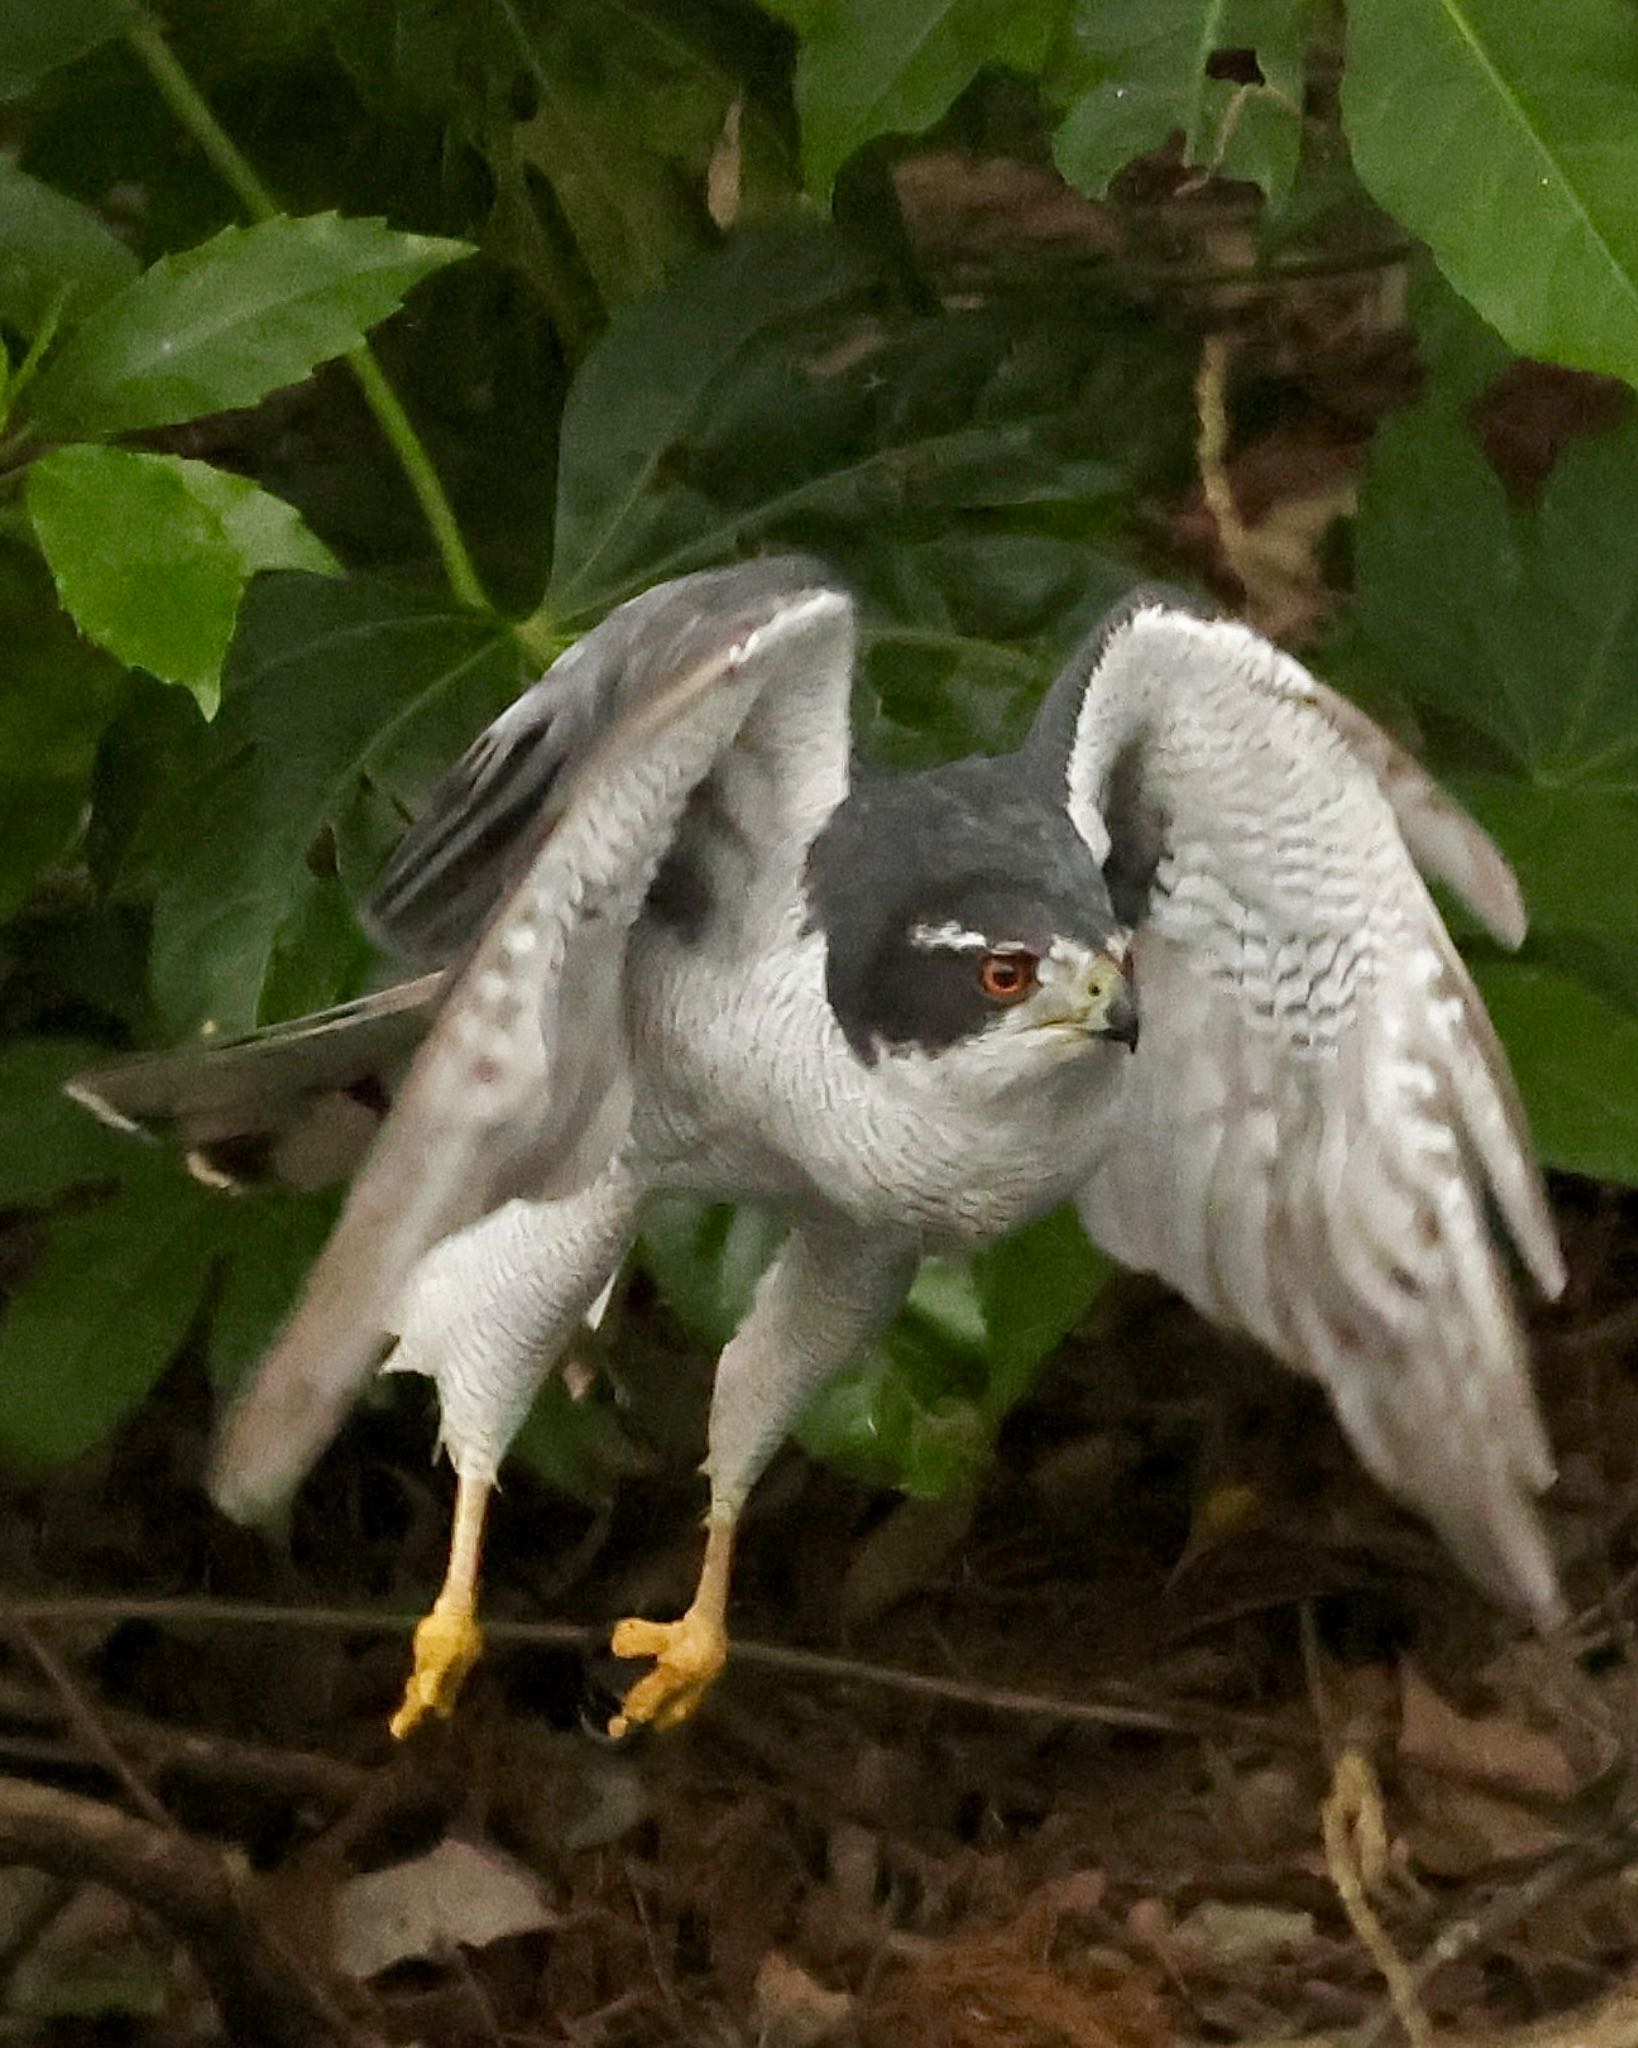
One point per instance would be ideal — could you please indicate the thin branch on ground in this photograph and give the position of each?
(264, 1999)
(1514, 1904)
(86, 1721)
(1165, 1717)
(1356, 1854)
(203, 1754)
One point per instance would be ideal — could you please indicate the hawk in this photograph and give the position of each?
(1172, 960)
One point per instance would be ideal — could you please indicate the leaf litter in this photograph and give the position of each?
(823, 1859)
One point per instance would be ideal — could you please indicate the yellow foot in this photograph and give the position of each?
(447, 1645)
(688, 1655)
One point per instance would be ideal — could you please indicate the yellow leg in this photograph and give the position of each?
(688, 1654)
(449, 1642)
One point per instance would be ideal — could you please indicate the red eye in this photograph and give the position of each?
(1007, 977)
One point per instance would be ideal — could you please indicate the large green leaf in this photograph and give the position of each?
(865, 69)
(57, 697)
(342, 701)
(121, 1278)
(151, 554)
(102, 1311)
(56, 256)
(647, 390)
(1032, 1290)
(1512, 630)
(1576, 1060)
(623, 104)
(762, 397)
(1505, 134)
(1133, 73)
(268, 1238)
(38, 35)
(1520, 622)
(223, 324)
(48, 1144)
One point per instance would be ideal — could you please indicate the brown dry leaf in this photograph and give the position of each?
(969, 210)
(458, 1895)
(745, 1887)
(1226, 1933)
(1458, 1830)
(1275, 556)
(791, 2010)
(1492, 1749)
(1588, 1714)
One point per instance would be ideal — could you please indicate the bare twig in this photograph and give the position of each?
(198, 1754)
(1356, 1854)
(84, 1719)
(1211, 448)
(1513, 1906)
(1167, 1717)
(263, 1998)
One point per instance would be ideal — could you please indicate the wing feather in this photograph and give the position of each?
(523, 1082)
(236, 1087)
(469, 846)
(1318, 1120)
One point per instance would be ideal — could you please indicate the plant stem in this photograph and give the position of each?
(408, 446)
(191, 109)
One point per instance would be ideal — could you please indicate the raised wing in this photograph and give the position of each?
(523, 1083)
(766, 796)
(1318, 1121)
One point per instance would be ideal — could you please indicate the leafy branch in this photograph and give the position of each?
(193, 111)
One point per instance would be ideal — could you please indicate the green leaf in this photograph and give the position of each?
(1513, 631)
(36, 36)
(1567, 845)
(223, 324)
(101, 1313)
(1575, 1057)
(57, 698)
(56, 256)
(763, 397)
(864, 69)
(644, 391)
(1033, 1288)
(706, 1258)
(575, 1443)
(48, 1144)
(1518, 621)
(920, 1410)
(271, 1237)
(330, 685)
(151, 554)
(1134, 73)
(624, 103)
(1505, 134)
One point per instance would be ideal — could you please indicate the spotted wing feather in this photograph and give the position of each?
(523, 1082)
(1318, 1122)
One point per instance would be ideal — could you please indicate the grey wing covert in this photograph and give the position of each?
(1319, 1122)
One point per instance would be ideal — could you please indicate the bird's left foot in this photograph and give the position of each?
(448, 1643)
(688, 1655)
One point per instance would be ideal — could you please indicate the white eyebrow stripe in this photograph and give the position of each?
(948, 937)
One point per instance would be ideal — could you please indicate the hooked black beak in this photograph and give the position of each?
(1120, 1020)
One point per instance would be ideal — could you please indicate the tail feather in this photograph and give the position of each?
(240, 1087)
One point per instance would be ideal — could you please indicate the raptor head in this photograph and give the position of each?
(964, 916)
